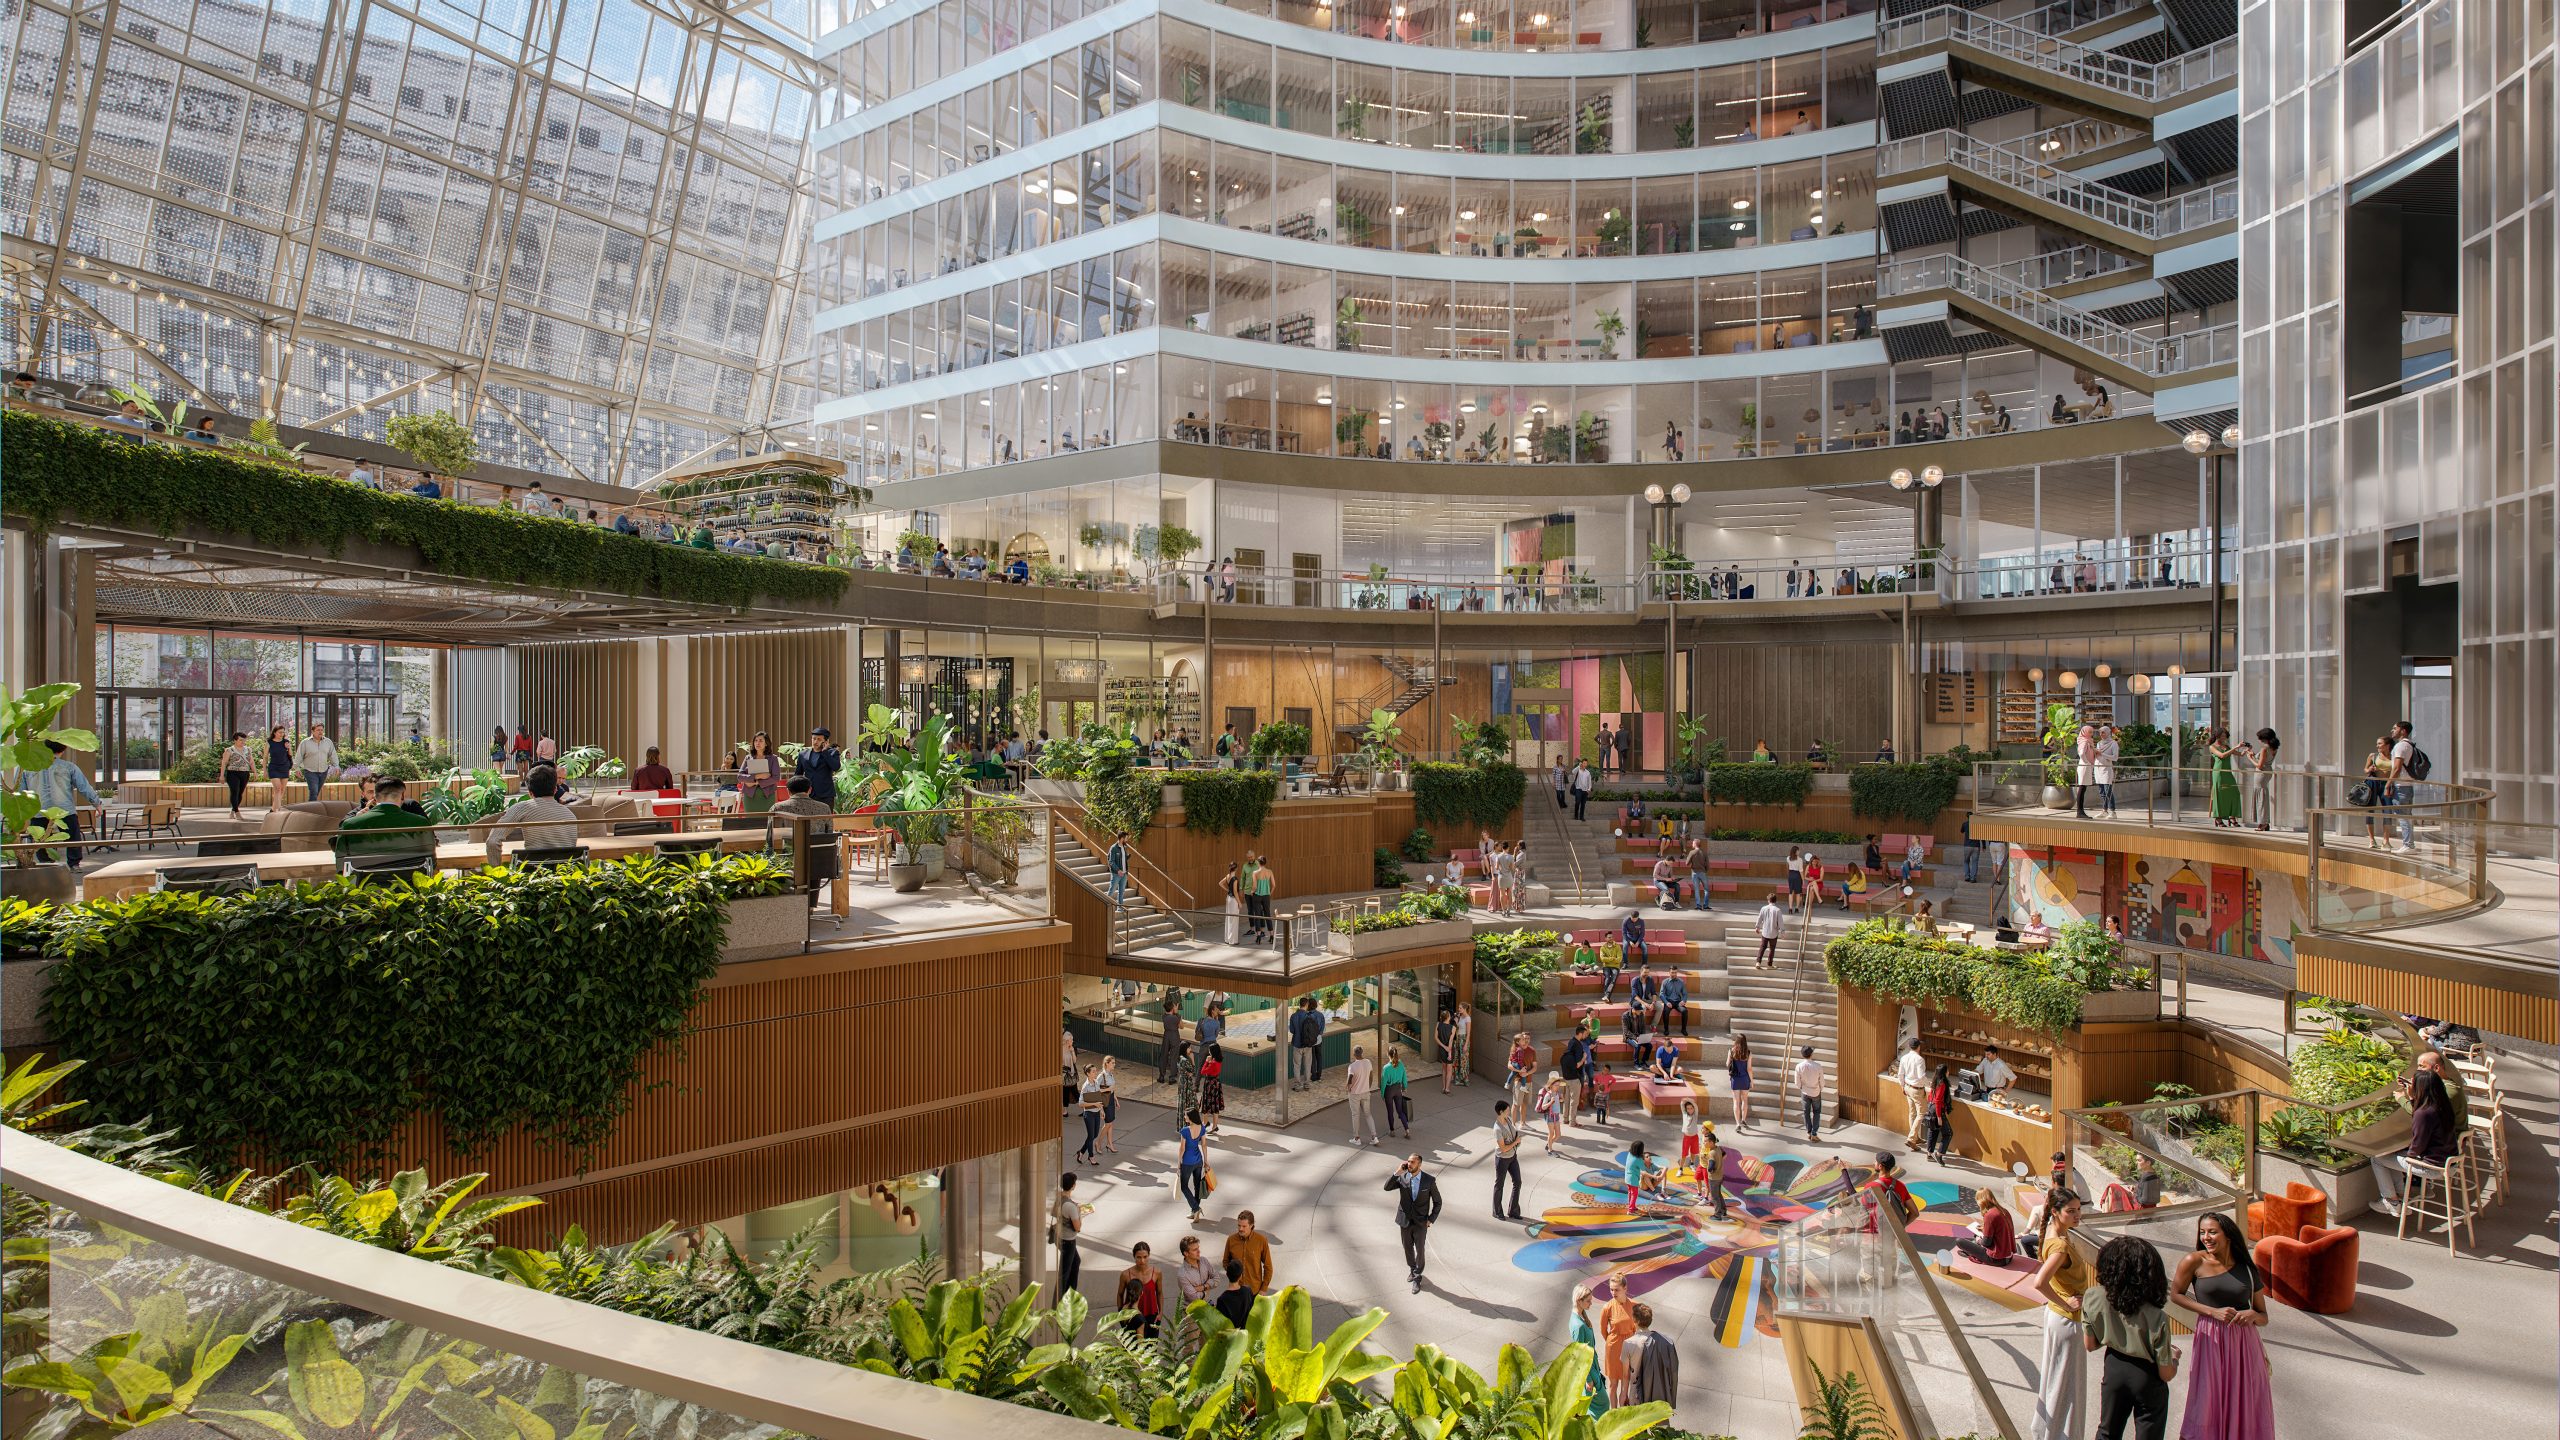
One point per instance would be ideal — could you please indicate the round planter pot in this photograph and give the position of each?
(2056, 797)
(906, 879)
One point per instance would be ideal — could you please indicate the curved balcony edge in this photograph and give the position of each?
(813, 1397)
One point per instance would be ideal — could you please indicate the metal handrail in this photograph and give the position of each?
(2001, 165)
(2004, 289)
(2085, 64)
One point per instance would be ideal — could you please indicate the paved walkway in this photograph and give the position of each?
(2447, 1323)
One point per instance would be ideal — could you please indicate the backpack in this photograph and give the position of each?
(2418, 765)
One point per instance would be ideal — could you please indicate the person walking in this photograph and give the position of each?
(1463, 1041)
(2262, 777)
(2062, 1277)
(1417, 1195)
(1972, 850)
(1911, 1071)
(1940, 1133)
(1141, 1291)
(1066, 1226)
(1506, 1160)
(316, 755)
(1563, 779)
(1306, 1044)
(279, 766)
(1108, 1073)
(2125, 1315)
(1213, 1085)
(2228, 1397)
(2409, 765)
(1391, 1088)
(1116, 861)
(1809, 1090)
(1191, 1179)
(1771, 923)
(1737, 1074)
(2226, 783)
(1186, 1079)
(1066, 1072)
(1691, 1141)
(237, 766)
(1652, 1361)
(1360, 1083)
(1607, 744)
(1581, 787)
(1550, 1107)
(1701, 896)
(1249, 1248)
(1169, 1036)
(1089, 1109)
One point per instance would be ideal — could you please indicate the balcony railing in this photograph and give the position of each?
(2051, 183)
(409, 1337)
(2002, 288)
(2084, 64)
(2140, 567)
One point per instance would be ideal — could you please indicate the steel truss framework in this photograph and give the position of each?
(581, 224)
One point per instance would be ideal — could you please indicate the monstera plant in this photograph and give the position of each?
(920, 779)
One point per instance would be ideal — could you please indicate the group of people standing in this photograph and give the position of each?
(1246, 886)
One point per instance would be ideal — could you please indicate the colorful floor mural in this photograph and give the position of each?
(1674, 1236)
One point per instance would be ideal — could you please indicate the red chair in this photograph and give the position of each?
(2314, 1270)
(2299, 1207)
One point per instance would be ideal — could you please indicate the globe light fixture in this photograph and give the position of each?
(2067, 680)
(2102, 670)
(2141, 684)
(1653, 494)
(1680, 494)
(1932, 477)
(2177, 669)
(2035, 675)
(1900, 479)
(2231, 437)
(2197, 442)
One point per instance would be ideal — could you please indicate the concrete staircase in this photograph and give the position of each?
(1761, 1000)
(1138, 925)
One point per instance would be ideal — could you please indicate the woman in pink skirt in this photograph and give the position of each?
(2227, 1391)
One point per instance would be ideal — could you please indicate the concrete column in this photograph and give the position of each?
(854, 705)
(649, 699)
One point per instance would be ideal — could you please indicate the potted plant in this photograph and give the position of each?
(1592, 130)
(1351, 222)
(1588, 447)
(1347, 318)
(435, 440)
(1352, 120)
(1436, 436)
(1281, 740)
(1616, 228)
(1350, 429)
(261, 443)
(1611, 325)
(2061, 753)
(919, 776)
(1684, 132)
(27, 729)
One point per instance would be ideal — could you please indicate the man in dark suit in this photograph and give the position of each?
(1417, 1206)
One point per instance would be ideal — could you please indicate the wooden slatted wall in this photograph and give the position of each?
(584, 694)
(781, 684)
(1793, 694)
(802, 1076)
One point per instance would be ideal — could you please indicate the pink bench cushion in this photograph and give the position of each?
(2017, 1277)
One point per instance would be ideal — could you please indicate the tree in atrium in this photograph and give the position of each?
(436, 441)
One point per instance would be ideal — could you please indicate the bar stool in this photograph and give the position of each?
(2441, 1192)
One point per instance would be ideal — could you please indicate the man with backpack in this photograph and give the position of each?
(2409, 764)
(1306, 1044)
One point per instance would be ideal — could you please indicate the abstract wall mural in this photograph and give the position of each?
(2228, 910)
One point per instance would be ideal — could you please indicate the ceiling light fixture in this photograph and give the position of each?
(1741, 204)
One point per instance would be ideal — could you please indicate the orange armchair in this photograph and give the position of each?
(2314, 1270)
(2299, 1207)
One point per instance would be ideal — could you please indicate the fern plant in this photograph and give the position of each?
(440, 1223)
(1844, 1409)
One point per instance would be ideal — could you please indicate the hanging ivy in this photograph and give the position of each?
(60, 471)
(1224, 802)
(310, 1022)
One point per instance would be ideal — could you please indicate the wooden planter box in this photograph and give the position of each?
(2119, 1007)
(764, 928)
(1406, 937)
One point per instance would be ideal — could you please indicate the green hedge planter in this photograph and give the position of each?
(310, 1022)
(2018, 988)
(1914, 792)
(1226, 802)
(59, 471)
(1743, 784)
(1480, 795)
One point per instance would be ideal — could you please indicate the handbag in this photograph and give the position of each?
(1209, 1178)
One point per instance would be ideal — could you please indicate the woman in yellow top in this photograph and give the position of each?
(1856, 884)
(2062, 1387)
